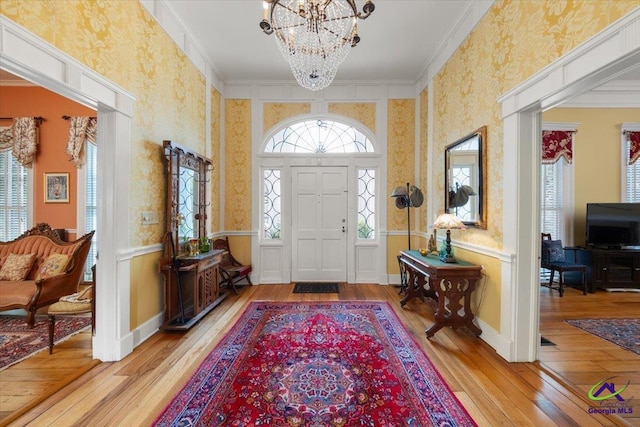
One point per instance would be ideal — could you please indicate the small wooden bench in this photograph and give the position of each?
(231, 271)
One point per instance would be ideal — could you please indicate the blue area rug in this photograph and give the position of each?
(622, 332)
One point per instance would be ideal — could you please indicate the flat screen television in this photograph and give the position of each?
(613, 225)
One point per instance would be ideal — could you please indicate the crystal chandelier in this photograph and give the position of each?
(314, 36)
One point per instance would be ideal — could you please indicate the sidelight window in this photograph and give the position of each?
(366, 203)
(272, 207)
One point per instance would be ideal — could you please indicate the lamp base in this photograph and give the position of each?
(448, 259)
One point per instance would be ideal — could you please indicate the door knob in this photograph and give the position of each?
(343, 229)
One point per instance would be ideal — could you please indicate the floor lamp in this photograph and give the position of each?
(406, 197)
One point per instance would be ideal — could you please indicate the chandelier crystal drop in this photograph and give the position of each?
(314, 36)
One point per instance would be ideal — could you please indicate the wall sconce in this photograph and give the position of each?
(408, 197)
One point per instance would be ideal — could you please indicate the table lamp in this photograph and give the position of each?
(448, 222)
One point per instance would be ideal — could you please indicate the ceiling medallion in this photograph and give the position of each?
(314, 36)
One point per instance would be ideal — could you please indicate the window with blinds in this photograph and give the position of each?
(14, 197)
(552, 199)
(91, 205)
(633, 177)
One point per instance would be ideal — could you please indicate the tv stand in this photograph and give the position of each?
(606, 247)
(616, 268)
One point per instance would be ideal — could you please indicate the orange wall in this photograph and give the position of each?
(19, 101)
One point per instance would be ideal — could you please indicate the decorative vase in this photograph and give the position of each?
(193, 247)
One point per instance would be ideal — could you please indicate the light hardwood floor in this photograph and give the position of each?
(134, 391)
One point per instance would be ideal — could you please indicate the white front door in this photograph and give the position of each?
(319, 224)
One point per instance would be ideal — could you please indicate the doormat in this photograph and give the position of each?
(326, 364)
(621, 332)
(315, 288)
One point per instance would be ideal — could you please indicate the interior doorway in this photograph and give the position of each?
(319, 224)
(522, 107)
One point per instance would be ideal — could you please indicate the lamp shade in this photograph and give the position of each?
(416, 198)
(400, 191)
(448, 222)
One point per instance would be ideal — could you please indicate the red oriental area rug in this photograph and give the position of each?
(17, 341)
(316, 364)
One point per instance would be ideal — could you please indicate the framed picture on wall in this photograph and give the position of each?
(56, 187)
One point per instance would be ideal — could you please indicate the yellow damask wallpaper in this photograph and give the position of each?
(423, 221)
(122, 42)
(363, 112)
(274, 113)
(237, 171)
(512, 42)
(401, 155)
(400, 170)
(216, 120)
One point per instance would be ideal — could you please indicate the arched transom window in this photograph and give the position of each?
(319, 136)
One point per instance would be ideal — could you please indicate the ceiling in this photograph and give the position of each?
(398, 40)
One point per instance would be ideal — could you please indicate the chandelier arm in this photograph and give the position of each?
(340, 18)
(368, 9)
(289, 26)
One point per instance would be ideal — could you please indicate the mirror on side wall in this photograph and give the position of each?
(465, 163)
(186, 194)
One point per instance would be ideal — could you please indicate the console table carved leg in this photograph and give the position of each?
(449, 311)
(415, 286)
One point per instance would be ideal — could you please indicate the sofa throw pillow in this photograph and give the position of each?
(54, 264)
(553, 249)
(16, 267)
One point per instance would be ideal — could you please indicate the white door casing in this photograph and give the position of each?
(610, 53)
(319, 224)
(29, 57)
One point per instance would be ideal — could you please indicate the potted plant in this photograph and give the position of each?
(205, 244)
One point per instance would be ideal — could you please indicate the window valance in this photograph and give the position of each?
(81, 129)
(22, 139)
(634, 146)
(557, 144)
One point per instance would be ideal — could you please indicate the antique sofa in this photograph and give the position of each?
(38, 268)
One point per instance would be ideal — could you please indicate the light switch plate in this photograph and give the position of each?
(149, 218)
